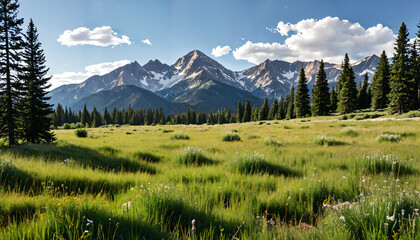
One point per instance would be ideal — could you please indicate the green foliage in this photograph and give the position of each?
(180, 136)
(231, 137)
(256, 164)
(380, 84)
(320, 96)
(193, 156)
(145, 156)
(385, 137)
(302, 100)
(323, 140)
(81, 133)
(290, 104)
(349, 132)
(388, 164)
(346, 86)
(400, 95)
(264, 110)
(269, 141)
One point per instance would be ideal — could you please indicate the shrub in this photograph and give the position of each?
(145, 156)
(350, 132)
(388, 164)
(304, 127)
(180, 136)
(66, 126)
(256, 164)
(286, 127)
(81, 133)
(193, 156)
(388, 138)
(167, 131)
(323, 140)
(344, 117)
(230, 137)
(269, 141)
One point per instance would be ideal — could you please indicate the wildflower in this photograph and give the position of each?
(342, 218)
(86, 231)
(344, 177)
(390, 218)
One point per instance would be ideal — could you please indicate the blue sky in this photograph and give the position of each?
(249, 28)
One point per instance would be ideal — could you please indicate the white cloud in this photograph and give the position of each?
(146, 41)
(101, 36)
(328, 38)
(91, 70)
(220, 51)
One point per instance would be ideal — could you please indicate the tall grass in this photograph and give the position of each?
(256, 164)
(323, 140)
(231, 137)
(193, 156)
(389, 164)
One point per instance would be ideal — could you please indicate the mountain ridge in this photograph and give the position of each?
(189, 79)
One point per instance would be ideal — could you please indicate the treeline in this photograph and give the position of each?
(395, 87)
(25, 115)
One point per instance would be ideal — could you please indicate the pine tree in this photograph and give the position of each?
(273, 110)
(414, 65)
(321, 93)
(263, 114)
(380, 84)
(107, 117)
(247, 112)
(282, 109)
(362, 94)
(240, 112)
(85, 116)
(290, 103)
(35, 111)
(96, 119)
(400, 94)
(10, 88)
(333, 100)
(302, 100)
(149, 117)
(347, 92)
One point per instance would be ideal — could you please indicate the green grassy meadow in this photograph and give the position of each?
(293, 179)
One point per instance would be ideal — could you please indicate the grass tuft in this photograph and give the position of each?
(145, 156)
(180, 136)
(256, 164)
(388, 164)
(323, 140)
(231, 137)
(349, 132)
(193, 156)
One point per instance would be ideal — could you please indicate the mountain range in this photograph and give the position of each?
(197, 81)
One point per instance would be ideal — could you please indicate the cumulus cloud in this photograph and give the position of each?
(91, 70)
(101, 36)
(328, 38)
(220, 51)
(146, 41)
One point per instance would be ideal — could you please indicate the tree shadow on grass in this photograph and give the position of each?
(82, 156)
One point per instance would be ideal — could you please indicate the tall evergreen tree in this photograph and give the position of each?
(240, 112)
(96, 119)
(414, 65)
(282, 109)
(263, 114)
(363, 93)
(247, 112)
(107, 117)
(302, 100)
(347, 92)
(273, 110)
(380, 84)
(321, 93)
(85, 116)
(35, 111)
(400, 82)
(333, 100)
(10, 88)
(290, 103)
